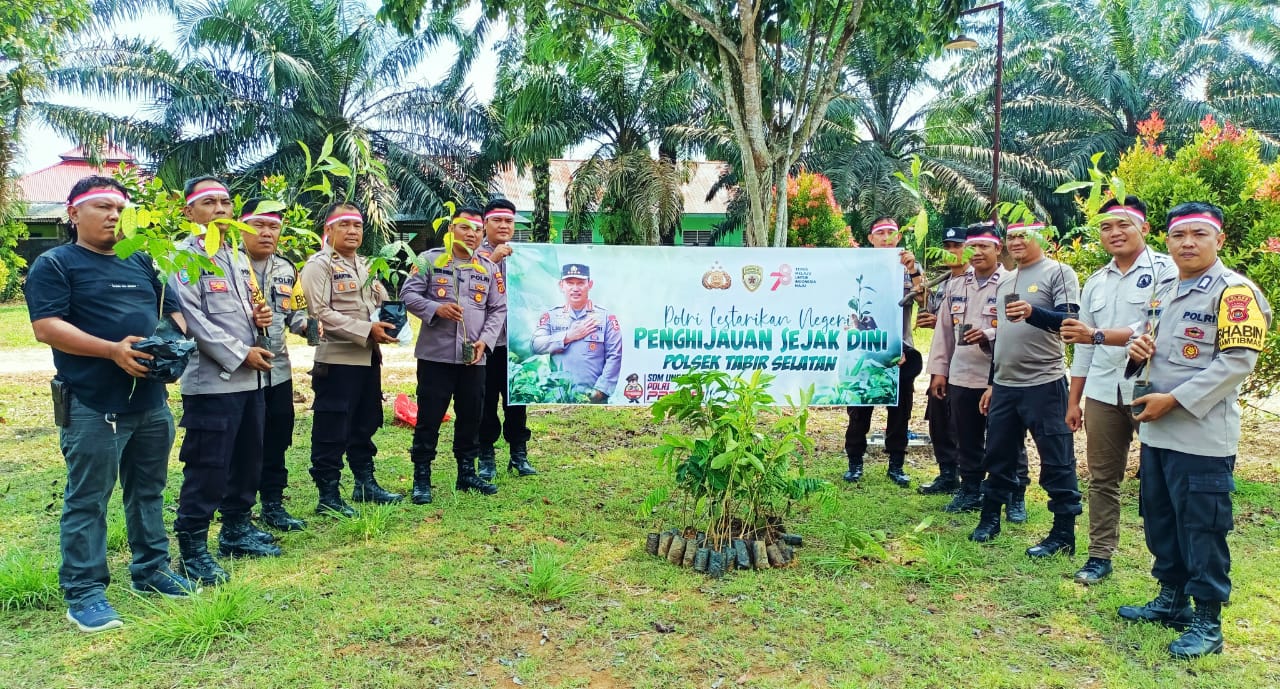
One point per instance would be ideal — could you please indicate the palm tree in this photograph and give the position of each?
(254, 77)
(1080, 76)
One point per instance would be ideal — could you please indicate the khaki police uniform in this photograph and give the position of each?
(347, 377)
(222, 400)
(967, 301)
(276, 277)
(1209, 334)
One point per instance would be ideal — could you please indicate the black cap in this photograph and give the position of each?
(954, 234)
(575, 270)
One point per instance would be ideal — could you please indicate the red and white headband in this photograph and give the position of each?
(1137, 216)
(983, 239)
(884, 226)
(500, 213)
(207, 192)
(261, 216)
(95, 194)
(1195, 217)
(1025, 227)
(334, 219)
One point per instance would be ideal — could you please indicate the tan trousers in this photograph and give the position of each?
(1108, 430)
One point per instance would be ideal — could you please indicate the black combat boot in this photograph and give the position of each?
(1016, 512)
(194, 560)
(854, 473)
(989, 523)
(275, 516)
(1061, 538)
(255, 532)
(421, 483)
(366, 488)
(467, 479)
(1171, 608)
(967, 499)
(331, 501)
(945, 483)
(1095, 570)
(896, 473)
(519, 461)
(488, 469)
(237, 539)
(1204, 636)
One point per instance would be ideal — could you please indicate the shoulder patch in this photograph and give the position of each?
(1240, 320)
(546, 318)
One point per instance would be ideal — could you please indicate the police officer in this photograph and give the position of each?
(1029, 390)
(90, 306)
(1114, 304)
(222, 399)
(885, 234)
(457, 295)
(347, 376)
(1205, 341)
(960, 357)
(942, 428)
(583, 339)
(499, 225)
(275, 278)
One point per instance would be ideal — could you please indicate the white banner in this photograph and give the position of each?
(613, 324)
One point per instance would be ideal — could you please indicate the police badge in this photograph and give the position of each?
(752, 277)
(716, 278)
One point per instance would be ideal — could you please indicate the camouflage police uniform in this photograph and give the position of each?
(593, 363)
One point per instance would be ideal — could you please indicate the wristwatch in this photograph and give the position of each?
(1099, 337)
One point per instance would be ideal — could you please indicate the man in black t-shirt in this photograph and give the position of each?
(90, 306)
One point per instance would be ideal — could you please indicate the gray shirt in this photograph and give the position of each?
(484, 308)
(1199, 358)
(220, 320)
(1025, 355)
(276, 277)
(1115, 299)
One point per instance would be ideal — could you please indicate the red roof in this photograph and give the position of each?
(517, 186)
(53, 183)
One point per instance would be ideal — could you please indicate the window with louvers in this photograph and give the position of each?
(697, 237)
(522, 235)
(583, 237)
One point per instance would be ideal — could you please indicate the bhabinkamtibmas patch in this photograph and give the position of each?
(1240, 320)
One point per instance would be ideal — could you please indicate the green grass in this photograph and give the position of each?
(549, 578)
(15, 326)
(443, 595)
(27, 581)
(190, 627)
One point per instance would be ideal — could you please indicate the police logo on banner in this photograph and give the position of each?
(752, 277)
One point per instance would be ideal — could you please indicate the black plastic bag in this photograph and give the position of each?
(170, 349)
(394, 312)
